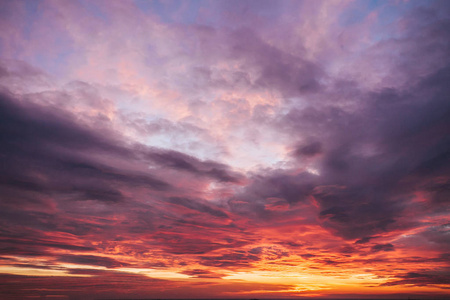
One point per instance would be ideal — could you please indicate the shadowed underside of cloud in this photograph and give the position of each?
(235, 259)
(370, 162)
(91, 260)
(197, 206)
(183, 162)
(439, 278)
(290, 74)
(35, 246)
(199, 273)
(52, 161)
(43, 151)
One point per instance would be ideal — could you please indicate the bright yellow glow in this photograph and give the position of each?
(36, 272)
(154, 273)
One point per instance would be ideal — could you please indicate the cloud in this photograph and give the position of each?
(197, 206)
(103, 284)
(436, 278)
(364, 183)
(199, 273)
(232, 259)
(47, 141)
(223, 138)
(33, 243)
(288, 74)
(183, 162)
(91, 260)
(382, 247)
(51, 162)
(365, 240)
(309, 150)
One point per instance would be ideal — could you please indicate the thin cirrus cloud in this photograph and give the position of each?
(224, 149)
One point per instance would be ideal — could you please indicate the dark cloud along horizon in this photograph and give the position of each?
(92, 260)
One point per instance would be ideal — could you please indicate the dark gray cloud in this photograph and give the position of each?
(232, 259)
(438, 236)
(198, 206)
(199, 273)
(291, 75)
(50, 162)
(187, 163)
(47, 141)
(383, 247)
(423, 278)
(377, 146)
(32, 243)
(187, 244)
(365, 240)
(91, 260)
(309, 149)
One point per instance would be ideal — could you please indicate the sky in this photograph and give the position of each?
(224, 149)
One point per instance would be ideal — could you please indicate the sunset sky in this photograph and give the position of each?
(224, 149)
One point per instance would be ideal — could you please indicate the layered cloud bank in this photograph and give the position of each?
(224, 149)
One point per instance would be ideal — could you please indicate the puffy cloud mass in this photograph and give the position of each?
(224, 149)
